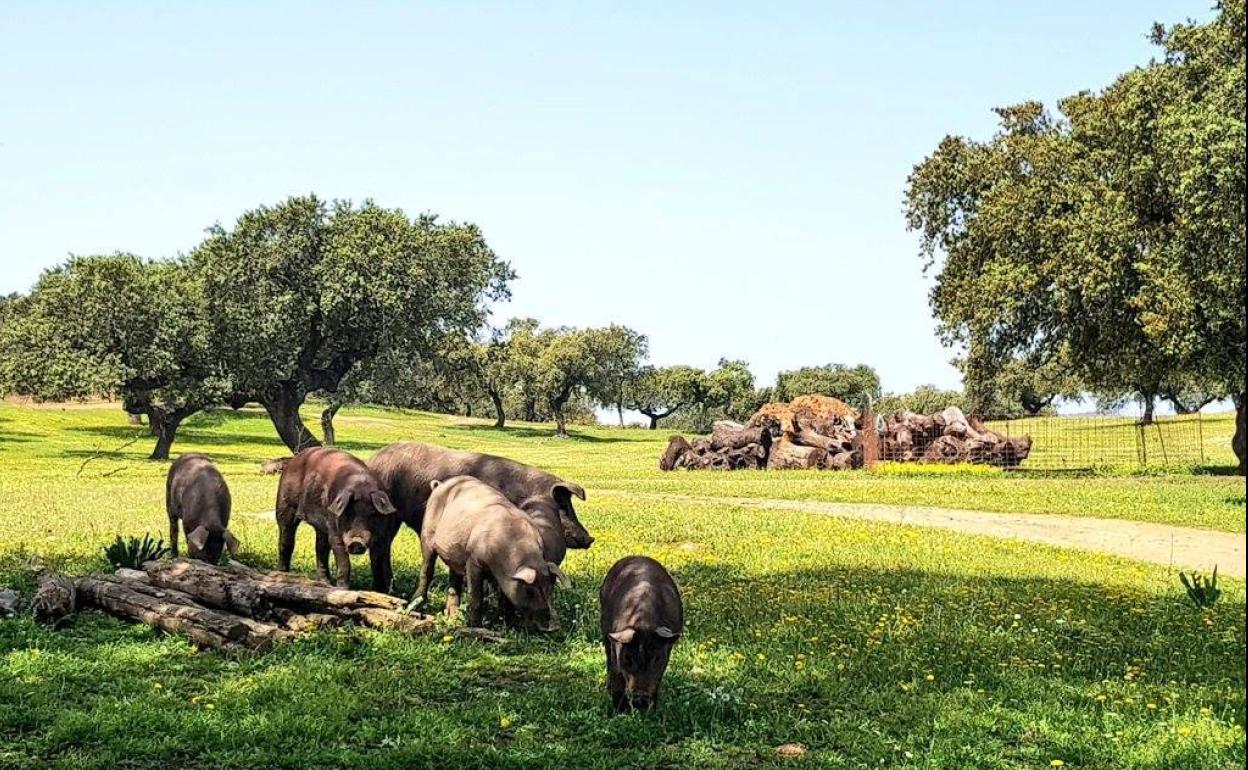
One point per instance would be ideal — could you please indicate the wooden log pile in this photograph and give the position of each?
(235, 606)
(731, 446)
(817, 432)
(950, 437)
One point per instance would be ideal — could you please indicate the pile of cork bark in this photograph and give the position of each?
(823, 433)
(950, 436)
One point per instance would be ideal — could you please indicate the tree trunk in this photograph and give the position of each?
(530, 409)
(283, 408)
(1241, 432)
(655, 416)
(164, 426)
(1150, 404)
(619, 410)
(556, 406)
(327, 423)
(500, 416)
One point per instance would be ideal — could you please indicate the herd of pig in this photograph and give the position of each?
(492, 521)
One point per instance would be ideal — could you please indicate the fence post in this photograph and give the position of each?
(1200, 438)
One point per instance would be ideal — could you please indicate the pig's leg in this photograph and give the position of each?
(615, 683)
(507, 609)
(322, 556)
(173, 536)
(379, 565)
(476, 585)
(428, 564)
(286, 526)
(342, 560)
(453, 592)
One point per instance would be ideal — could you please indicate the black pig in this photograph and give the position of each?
(340, 497)
(196, 495)
(642, 618)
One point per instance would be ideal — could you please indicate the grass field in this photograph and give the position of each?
(872, 645)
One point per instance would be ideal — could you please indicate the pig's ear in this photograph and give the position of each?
(231, 543)
(198, 538)
(435, 484)
(624, 635)
(568, 488)
(558, 573)
(666, 633)
(339, 503)
(381, 501)
(526, 575)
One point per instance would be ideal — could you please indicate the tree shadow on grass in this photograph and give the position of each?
(525, 431)
(9, 434)
(1216, 470)
(202, 438)
(958, 669)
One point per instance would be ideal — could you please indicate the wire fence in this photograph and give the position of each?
(1123, 443)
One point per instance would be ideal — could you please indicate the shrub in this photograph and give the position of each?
(132, 552)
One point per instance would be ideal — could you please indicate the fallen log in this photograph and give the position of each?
(54, 599)
(945, 449)
(726, 434)
(205, 627)
(236, 606)
(677, 446)
(834, 444)
(288, 588)
(786, 455)
(390, 620)
(841, 461)
(211, 586)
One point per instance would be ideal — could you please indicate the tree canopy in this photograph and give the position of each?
(662, 391)
(854, 385)
(302, 292)
(1107, 239)
(115, 326)
(589, 361)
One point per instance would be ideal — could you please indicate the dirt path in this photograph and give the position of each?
(1183, 547)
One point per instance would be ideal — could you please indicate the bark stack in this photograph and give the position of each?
(810, 433)
(237, 607)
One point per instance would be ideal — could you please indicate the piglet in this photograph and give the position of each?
(641, 618)
(483, 536)
(196, 495)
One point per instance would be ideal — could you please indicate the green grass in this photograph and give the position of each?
(873, 645)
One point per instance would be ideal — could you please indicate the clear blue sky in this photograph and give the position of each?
(724, 177)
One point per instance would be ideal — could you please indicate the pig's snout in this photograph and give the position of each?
(577, 537)
(641, 701)
(545, 621)
(641, 692)
(356, 547)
